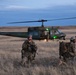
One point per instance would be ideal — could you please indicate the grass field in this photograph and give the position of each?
(46, 62)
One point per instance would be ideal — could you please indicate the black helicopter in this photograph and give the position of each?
(43, 32)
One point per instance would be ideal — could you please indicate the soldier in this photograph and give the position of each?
(47, 36)
(72, 46)
(75, 38)
(67, 50)
(75, 43)
(63, 51)
(28, 47)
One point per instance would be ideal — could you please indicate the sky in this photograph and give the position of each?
(30, 10)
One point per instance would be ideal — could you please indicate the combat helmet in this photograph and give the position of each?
(72, 39)
(30, 37)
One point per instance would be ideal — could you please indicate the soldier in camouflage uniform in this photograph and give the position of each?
(29, 49)
(75, 43)
(63, 51)
(72, 46)
(67, 50)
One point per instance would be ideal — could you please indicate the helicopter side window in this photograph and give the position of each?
(36, 33)
(59, 31)
(56, 32)
(33, 33)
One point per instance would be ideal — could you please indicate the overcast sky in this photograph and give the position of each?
(63, 7)
(34, 4)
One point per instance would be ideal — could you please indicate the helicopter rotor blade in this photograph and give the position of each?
(62, 19)
(42, 20)
(22, 22)
(28, 21)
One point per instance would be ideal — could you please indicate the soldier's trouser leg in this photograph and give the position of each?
(22, 60)
(34, 55)
(65, 56)
(22, 54)
(64, 59)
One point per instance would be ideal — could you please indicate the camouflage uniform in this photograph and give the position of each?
(28, 47)
(75, 43)
(66, 50)
(63, 51)
(47, 36)
(72, 46)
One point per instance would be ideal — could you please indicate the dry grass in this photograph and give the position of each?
(46, 62)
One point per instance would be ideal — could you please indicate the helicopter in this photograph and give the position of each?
(42, 32)
(47, 33)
